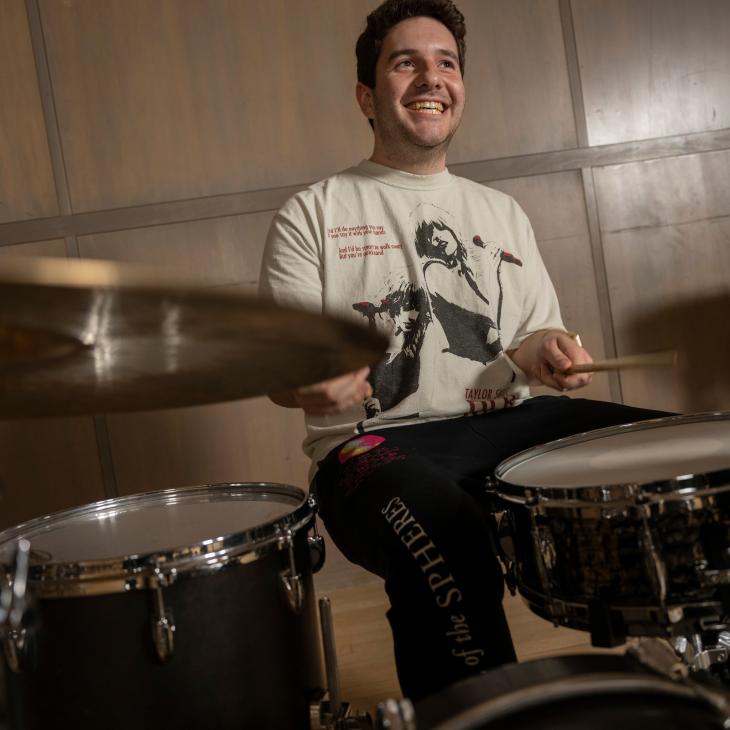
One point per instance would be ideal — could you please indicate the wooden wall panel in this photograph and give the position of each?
(515, 66)
(664, 192)
(556, 207)
(246, 441)
(26, 181)
(55, 248)
(213, 97)
(220, 251)
(666, 237)
(46, 464)
(652, 68)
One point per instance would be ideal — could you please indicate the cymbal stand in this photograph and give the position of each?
(333, 714)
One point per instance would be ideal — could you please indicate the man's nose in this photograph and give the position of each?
(429, 77)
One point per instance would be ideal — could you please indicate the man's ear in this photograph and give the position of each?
(364, 95)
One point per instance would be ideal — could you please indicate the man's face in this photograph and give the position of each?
(419, 92)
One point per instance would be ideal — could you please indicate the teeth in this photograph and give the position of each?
(432, 107)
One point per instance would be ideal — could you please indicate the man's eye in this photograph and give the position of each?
(448, 64)
(404, 63)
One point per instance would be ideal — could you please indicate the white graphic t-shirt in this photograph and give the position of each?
(448, 268)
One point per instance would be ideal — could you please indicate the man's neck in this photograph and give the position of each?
(424, 164)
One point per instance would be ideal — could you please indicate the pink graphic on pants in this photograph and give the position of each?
(358, 446)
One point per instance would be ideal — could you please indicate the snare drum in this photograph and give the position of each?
(186, 608)
(625, 531)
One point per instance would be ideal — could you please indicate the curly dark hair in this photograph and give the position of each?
(392, 12)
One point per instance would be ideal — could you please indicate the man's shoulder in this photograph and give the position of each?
(480, 189)
(325, 186)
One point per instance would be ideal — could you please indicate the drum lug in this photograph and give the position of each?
(291, 580)
(544, 557)
(505, 549)
(163, 622)
(317, 550)
(700, 656)
(15, 609)
(395, 715)
(654, 565)
(315, 540)
(15, 643)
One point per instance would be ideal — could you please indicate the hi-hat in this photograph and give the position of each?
(85, 336)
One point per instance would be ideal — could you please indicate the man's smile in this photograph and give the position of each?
(427, 106)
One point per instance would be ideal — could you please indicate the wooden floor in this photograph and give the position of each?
(364, 645)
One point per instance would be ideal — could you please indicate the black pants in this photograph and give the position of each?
(409, 507)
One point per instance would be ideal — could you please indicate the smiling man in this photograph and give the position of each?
(451, 271)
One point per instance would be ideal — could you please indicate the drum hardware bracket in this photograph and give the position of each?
(15, 643)
(315, 541)
(317, 551)
(607, 627)
(333, 714)
(163, 622)
(716, 577)
(396, 715)
(321, 718)
(697, 655)
(15, 609)
(291, 580)
(539, 559)
(504, 548)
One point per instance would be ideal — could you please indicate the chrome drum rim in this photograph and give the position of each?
(49, 579)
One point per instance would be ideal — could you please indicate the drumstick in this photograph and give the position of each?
(649, 360)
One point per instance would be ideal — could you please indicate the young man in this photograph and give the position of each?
(452, 271)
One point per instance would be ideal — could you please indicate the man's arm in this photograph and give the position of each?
(545, 355)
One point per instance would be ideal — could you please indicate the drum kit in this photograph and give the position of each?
(195, 607)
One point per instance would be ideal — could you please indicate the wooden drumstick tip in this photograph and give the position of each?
(665, 358)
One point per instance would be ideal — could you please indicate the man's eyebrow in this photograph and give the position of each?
(415, 52)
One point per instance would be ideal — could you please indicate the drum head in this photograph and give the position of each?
(651, 452)
(157, 523)
(569, 693)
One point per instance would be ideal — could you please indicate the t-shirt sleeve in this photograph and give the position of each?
(540, 307)
(291, 270)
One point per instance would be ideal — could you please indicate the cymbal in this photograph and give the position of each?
(86, 336)
(697, 328)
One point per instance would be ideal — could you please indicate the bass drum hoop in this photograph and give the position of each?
(678, 488)
(124, 573)
(609, 675)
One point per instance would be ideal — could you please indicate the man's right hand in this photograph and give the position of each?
(328, 397)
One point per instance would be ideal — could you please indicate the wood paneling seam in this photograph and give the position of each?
(672, 224)
(574, 80)
(260, 201)
(601, 277)
(60, 179)
(53, 132)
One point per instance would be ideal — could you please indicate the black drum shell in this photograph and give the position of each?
(242, 657)
(645, 701)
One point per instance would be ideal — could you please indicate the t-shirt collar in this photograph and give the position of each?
(401, 179)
